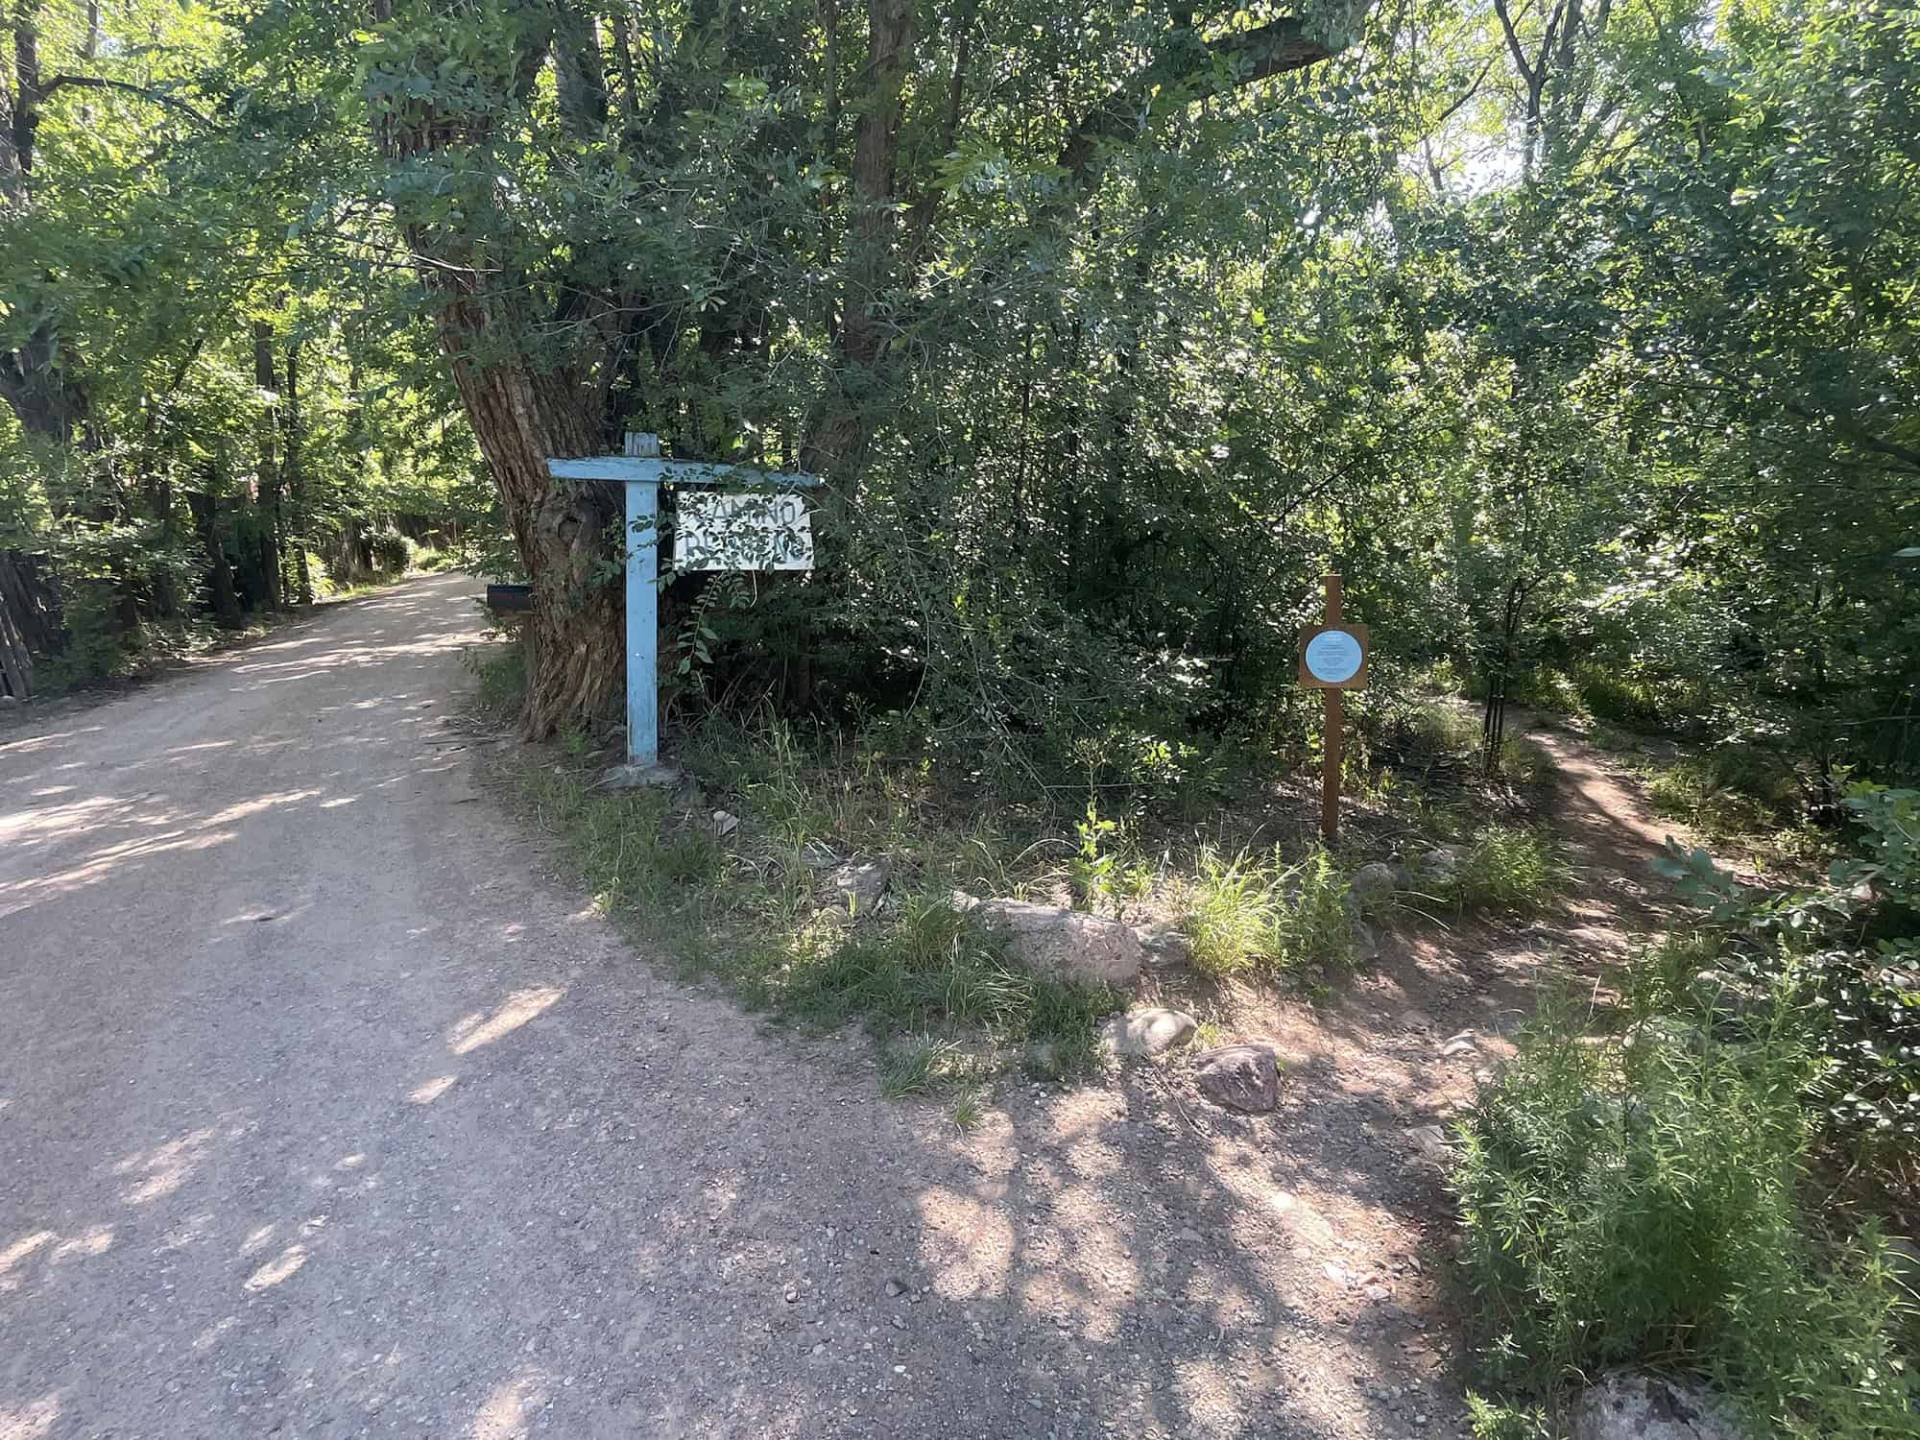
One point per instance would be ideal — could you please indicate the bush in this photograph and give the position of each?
(1638, 1202)
(1247, 915)
(392, 552)
(1849, 952)
(1729, 792)
(1506, 869)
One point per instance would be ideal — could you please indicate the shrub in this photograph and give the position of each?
(1638, 1203)
(392, 552)
(1508, 869)
(1247, 914)
(1730, 792)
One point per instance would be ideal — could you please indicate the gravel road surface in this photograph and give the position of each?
(325, 1112)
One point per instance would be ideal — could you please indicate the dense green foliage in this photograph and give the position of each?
(212, 413)
(1685, 1192)
(1581, 339)
(1641, 1203)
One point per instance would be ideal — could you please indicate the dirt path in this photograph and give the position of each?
(322, 1113)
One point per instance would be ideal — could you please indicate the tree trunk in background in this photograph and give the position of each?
(271, 480)
(295, 477)
(222, 596)
(845, 422)
(20, 599)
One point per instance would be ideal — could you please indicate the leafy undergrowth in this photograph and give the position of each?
(1506, 870)
(1642, 1202)
(1685, 1189)
(1258, 914)
(947, 1009)
(944, 1005)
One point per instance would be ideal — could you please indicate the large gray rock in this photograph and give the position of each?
(1633, 1405)
(1240, 1077)
(1149, 1031)
(1064, 944)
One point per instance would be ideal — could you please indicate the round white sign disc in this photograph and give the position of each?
(1333, 656)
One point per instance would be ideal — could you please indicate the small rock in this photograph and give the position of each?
(858, 885)
(1166, 947)
(1724, 996)
(1442, 862)
(1365, 943)
(1430, 1141)
(640, 777)
(1240, 1077)
(895, 1289)
(1373, 882)
(1149, 1031)
(1632, 1405)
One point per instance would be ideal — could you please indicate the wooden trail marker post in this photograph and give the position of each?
(727, 531)
(1333, 658)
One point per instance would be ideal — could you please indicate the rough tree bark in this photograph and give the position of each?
(525, 407)
(523, 413)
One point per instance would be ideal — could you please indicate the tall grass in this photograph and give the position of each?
(1505, 869)
(1640, 1202)
(1257, 914)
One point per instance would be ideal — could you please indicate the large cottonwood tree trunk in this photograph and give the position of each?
(523, 414)
(525, 406)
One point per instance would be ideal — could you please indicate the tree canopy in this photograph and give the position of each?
(1579, 337)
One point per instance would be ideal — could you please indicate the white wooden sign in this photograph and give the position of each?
(742, 530)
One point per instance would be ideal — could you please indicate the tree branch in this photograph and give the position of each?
(1513, 42)
(1187, 70)
(97, 82)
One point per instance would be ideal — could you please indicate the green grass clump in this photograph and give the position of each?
(1734, 793)
(500, 673)
(1506, 869)
(1255, 915)
(1640, 1203)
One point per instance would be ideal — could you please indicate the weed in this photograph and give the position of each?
(1524, 763)
(968, 1109)
(1090, 873)
(1494, 1421)
(1505, 869)
(1248, 914)
(1639, 1203)
(501, 673)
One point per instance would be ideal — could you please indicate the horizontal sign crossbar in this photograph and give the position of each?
(630, 469)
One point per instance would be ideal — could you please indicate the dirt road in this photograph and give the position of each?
(323, 1114)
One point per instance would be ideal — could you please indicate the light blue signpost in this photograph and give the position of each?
(743, 546)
